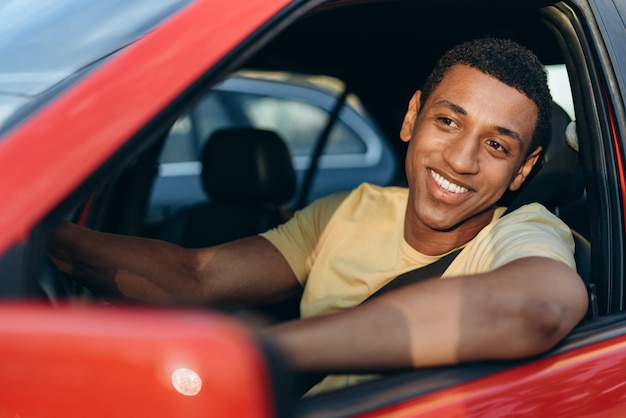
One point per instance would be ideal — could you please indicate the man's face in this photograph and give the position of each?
(467, 145)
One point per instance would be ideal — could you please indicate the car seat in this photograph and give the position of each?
(247, 175)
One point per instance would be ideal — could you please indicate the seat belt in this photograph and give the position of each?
(429, 271)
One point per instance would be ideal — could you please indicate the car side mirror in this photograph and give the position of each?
(105, 361)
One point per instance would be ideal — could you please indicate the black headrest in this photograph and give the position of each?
(555, 137)
(246, 165)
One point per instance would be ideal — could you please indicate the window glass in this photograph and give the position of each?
(212, 114)
(190, 131)
(560, 89)
(179, 146)
(299, 124)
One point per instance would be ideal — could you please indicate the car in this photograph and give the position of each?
(295, 106)
(90, 91)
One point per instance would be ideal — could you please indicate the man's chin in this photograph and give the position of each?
(443, 227)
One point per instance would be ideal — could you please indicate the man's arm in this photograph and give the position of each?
(518, 310)
(238, 273)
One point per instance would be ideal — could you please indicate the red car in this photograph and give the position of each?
(89, 93)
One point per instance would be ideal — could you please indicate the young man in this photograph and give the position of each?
(473, 133)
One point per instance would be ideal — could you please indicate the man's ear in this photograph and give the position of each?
(406, 131)
(525, 170)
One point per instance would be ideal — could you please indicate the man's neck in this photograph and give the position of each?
(429, 241)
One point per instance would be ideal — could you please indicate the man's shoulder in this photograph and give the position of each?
(365, 193)
(371, 197)
(530, 230)
(365, 201)
(375, 191)
(530, 212)
(534, 223)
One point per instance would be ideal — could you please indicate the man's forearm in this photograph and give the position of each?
(520, 310)
(133, 267)
(239, 273)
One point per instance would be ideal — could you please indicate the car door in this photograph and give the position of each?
(59, 147)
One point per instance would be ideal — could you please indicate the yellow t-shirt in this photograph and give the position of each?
(345, 247)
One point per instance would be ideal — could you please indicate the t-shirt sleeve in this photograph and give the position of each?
(298, 238)
(531, 231)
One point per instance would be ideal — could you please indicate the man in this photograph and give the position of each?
(473, 133)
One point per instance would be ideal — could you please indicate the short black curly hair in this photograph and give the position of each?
(508, 62)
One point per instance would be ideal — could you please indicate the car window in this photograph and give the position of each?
(299, 124)
(180, 145)
(298, 108)
(186, 136)
(560, 89)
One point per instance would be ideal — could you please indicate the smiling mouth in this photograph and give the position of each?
(447, 185)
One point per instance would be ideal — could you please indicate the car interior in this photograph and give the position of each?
(249, 175)
(382, 51)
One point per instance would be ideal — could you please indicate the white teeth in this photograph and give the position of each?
(445, 184)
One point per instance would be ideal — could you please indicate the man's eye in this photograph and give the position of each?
(446, 121)
(496, 146)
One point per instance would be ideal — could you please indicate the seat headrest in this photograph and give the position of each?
(246, 165)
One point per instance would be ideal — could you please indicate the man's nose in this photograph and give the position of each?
(462, 154)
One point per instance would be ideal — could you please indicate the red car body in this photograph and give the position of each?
(102, 361)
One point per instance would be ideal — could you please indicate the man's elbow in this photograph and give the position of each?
(548, 322)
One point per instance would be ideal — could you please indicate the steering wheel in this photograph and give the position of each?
(57, 286)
